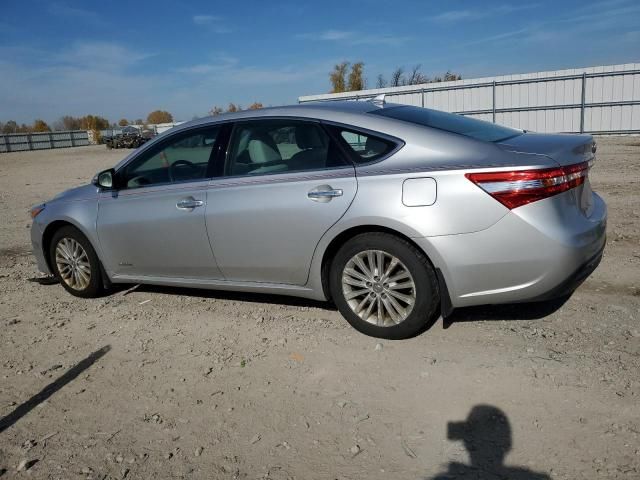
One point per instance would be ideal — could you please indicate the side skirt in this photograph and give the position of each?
(231, 286)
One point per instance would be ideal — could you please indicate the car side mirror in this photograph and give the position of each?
(105, 179)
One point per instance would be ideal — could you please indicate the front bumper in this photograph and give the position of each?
(37, 230)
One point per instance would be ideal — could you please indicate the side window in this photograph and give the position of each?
(278, 146)
(182, 158)
(367, 148)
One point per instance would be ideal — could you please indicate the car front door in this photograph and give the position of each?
(153, 224)
(284, 184)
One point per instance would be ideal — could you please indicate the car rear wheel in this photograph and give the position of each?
(75, 263)
(384, 286)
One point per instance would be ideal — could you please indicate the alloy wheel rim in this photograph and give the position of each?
(378, 288)
(73, 263)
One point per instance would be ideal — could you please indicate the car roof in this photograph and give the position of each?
(307, 109)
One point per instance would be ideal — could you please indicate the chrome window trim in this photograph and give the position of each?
(213, 123)
(162, 140)
(367, 132)
(271, 174)
(346, 171)
(157, 188)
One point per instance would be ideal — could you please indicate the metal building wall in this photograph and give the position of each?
(603, 99)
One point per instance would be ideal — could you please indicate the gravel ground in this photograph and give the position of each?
(170, 383)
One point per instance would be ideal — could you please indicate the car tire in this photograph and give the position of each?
(402, 293)
(75, 263)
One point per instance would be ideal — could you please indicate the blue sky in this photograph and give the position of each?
(124, 59)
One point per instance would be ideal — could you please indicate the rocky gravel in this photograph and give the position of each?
(158, 382)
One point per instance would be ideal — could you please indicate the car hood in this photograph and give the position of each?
(84, 192)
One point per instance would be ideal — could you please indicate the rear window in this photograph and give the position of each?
(450, 122)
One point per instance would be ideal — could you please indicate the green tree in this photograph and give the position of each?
(123, 122)
(337, 77)
(159, 116)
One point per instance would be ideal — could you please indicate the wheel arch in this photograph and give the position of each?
(47, 236)
(55, 225)
(347, 234)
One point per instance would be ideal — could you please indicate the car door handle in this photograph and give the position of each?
(324, 193)
(189, 203)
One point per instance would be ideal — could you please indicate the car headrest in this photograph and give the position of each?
(308, 136)
(263, 149)
(373, 146)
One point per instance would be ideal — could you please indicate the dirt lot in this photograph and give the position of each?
(168, 383)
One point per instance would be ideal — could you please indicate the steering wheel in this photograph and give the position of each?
(180, 163)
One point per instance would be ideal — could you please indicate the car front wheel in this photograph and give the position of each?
(384, 286)
(75, 263)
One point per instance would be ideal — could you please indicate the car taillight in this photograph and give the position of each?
(515, 188)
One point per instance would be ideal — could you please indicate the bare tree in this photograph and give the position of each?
(215, 111)
(449, 76)
(397, 78)
(356, 77)
(10, 127)
(381, 82)
(233, 108)
(255, 106)
(337, 77)
(416, 76)
(71, 123)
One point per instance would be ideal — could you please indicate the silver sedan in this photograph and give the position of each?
(395, 213)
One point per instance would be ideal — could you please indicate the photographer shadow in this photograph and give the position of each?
(487, 437)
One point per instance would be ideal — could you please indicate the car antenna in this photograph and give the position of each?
(378, 100)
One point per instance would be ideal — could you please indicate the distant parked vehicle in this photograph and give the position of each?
(130, 137)
(396, 213)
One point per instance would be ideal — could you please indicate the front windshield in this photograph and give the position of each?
(450, 122)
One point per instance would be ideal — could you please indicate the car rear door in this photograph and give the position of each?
(283, 185)
(153, 225)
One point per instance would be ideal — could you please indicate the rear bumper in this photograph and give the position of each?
(539, 251)
(574, 280)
